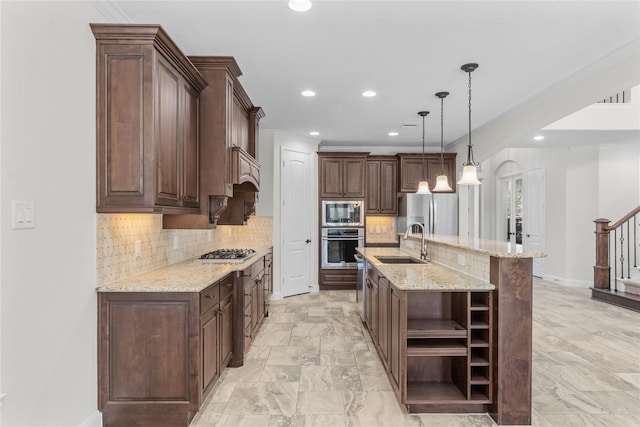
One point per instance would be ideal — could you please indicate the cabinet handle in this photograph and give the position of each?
(209, 296)
(229, 285)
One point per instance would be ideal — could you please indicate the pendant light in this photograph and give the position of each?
(469, 174)
(423, 186)
(442, 182)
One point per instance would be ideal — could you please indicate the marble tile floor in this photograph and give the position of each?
(313, 364)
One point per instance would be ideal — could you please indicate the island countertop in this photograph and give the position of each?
(193, 275)
(423, 276)
(489, 247)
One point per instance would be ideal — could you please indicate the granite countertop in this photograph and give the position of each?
(490, 247)
(193, 275)
(424, 276)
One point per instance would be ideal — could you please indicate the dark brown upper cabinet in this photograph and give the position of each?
(148, 101)
(382, 185)
(229, 124)
(342, 175)
(412, 166)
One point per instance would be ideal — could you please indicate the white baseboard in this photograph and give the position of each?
(95, 420)
(568, 282)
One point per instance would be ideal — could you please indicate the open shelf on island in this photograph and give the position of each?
(431, 392)
(435, 328)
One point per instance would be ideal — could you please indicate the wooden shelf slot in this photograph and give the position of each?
(479, 338)
(435, 328)
(436, 347)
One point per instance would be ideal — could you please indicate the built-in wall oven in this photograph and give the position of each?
(343, 213)
(339, 246)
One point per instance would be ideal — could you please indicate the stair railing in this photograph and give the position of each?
(621, 239)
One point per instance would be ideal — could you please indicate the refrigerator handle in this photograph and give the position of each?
(432, 218)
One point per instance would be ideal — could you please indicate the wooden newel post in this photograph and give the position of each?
(602, 271)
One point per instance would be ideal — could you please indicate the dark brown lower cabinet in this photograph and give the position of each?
(338, 278)
(435, 345)
(253, 294)
(160, 353)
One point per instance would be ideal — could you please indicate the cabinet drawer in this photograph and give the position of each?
(209, 297)
(226, 287)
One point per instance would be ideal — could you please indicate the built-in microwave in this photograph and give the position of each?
(342, 213)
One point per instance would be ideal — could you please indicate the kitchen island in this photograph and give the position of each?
(165, 336)
(454, 334)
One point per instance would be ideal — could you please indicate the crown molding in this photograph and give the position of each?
(111, 11)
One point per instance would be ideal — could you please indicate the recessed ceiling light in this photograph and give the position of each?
(393, 133)
(368, 93)
(308, 93)
(299, 5)
(538, 137)
(314, 133)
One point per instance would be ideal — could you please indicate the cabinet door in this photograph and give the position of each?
(168, 135)
(226, 330)
(388, 197)
(372, 198)
(240, 128)
(209, 337)
(353, 177)
(383, 319)
(122, 178)
(394, 337)
(367, 305)
(190, 148)
(255, 304)
(374, 311)
(330, 177)
(261, 296)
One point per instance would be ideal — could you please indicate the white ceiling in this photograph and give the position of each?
(404, 50)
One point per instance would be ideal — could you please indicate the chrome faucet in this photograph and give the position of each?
(423, 243)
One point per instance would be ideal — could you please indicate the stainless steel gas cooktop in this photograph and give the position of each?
(228, 255)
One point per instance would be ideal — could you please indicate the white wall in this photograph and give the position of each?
(578, 190)
(271, 141)
(47, 140)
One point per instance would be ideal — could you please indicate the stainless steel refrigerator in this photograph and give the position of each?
(438, 212)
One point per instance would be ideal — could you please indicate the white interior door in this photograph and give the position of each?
(533, 232)
(296, 227)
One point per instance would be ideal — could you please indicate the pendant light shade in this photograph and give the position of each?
(469, 176)
(442, 182)
(423, 186)
(469, 172)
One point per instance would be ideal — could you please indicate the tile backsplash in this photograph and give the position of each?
(130, 244)
(381, 229)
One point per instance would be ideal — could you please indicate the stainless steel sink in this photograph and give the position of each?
(399, 260)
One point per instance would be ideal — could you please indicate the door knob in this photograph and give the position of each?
(308, 241)
(528, 235)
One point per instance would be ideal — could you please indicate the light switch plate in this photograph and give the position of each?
(23, 215)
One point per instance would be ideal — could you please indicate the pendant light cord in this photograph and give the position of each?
(470, 159)
(423, 116)
(442, 135)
